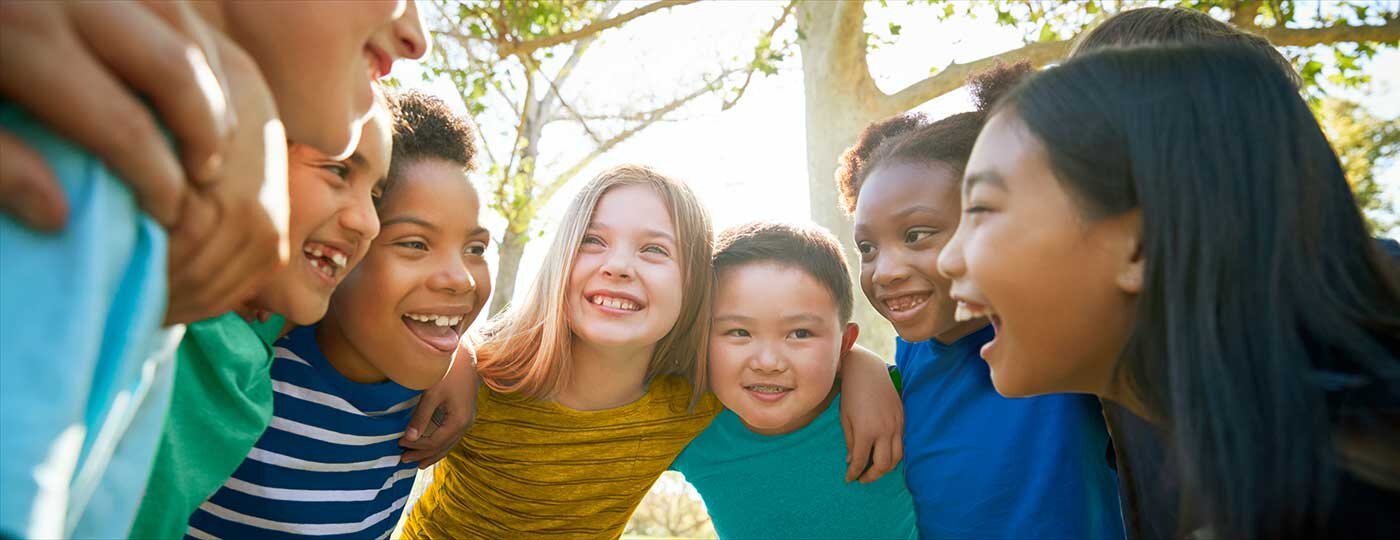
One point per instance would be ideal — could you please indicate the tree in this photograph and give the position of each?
(842, 96)
(513, 63)
(1362, 140)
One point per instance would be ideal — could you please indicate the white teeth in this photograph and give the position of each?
(965, 312)
(766, 388)
(316, 251)
(339, 259)
(615, 303)
(440, 320)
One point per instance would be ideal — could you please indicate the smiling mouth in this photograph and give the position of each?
(327, 260)
(441, 332)
(908, 302)
(967, 311)
(614, 302)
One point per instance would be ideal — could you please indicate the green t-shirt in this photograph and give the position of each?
(221, 404)
(792, 485)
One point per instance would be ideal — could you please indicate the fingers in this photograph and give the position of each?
(419, 422)
(881, 461)
(220, 271)
(860, 456)
(57, 75)
(28, 189)
(168, 68)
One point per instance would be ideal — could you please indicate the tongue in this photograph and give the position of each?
(442, 338)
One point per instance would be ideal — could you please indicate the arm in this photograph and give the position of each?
(88, 71)
(445, 411)
(872, 416)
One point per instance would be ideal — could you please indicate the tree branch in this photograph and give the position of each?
(753, 65)
(527, 47)
(1244, 14)
(955, 75)
(1337, 33)
(651, 117)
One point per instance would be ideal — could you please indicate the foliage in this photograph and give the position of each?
(1364, 143)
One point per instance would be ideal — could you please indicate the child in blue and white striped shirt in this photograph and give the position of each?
(329, 464)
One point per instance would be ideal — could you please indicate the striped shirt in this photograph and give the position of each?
(535, 469)
(328, 464)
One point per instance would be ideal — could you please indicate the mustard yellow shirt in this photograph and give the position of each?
(530, 469)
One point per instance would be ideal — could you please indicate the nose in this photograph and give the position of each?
(410, 41)
(618, 265)
(361, 219)
(890, 267)
(769, 358)
(951, 262)
(453, 277)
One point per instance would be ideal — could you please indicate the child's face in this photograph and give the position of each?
(625, 288)
(776, 345)
(425, 279)
(904, 215)
(319, 59)
(1047, 277)
(332, 222)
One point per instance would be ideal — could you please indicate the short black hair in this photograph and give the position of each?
(809, 248)
(424, 127)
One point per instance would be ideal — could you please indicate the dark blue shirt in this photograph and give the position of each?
(983, 466)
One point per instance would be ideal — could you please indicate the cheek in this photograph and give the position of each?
(867, 280)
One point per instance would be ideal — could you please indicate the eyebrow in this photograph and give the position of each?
(407, 219)
(811, 318)
(357, 160)
(991, 178)
(648, 231)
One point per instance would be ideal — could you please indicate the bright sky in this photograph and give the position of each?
(750, 162)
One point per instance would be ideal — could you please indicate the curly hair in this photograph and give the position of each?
(424, 127)
(912, 137)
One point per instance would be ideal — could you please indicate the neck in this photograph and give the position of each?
(601, 378)
(344, 357)
(1121, 392)
(960, 330)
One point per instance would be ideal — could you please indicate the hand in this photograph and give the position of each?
(444, 413)
(232, 233)
(84, 69)
(872, 416)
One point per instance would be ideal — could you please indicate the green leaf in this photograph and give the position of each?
(894, 29)
(948, 10)
(1048, 34)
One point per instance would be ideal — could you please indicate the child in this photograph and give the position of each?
(1222, 286)
(978, 465)
(595, 383)
(328, 464)
(80, 434)
(767, 466)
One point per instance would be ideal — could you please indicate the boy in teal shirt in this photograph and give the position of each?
(772, 464)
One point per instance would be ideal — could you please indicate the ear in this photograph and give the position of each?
(1127, 251)
(848, 337)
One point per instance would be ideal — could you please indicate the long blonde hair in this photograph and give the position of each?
(526, 349)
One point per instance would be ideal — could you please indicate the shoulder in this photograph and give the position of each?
(674, 393)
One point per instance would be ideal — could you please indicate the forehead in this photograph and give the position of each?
(436, 190)
(1004, 145)
(767, 288)
(376, 142)
(889, 189)
(632, 205)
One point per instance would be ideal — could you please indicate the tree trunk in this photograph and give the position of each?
(507, 266)
(841, 99)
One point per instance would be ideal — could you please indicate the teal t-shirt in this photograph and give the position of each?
(792, 485)
(221, 404)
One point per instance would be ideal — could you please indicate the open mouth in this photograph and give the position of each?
(327, 260)
(440, 332)
(767, 391)
(905, 305)
(614, 302)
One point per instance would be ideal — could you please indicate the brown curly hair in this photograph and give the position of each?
(913, 138)
(424, 127)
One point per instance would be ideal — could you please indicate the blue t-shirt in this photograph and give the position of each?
(791, 485)
(328, 464)
(85, 366)
(984, 466)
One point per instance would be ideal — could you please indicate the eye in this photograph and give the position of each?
(865, 248)
(801, 333)
(590, 239)
(377, 192)
(914, 235)
(736, 332)
(413, 244)
(476, 248)
(338, 169)
(653, 248)
(976, 210)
